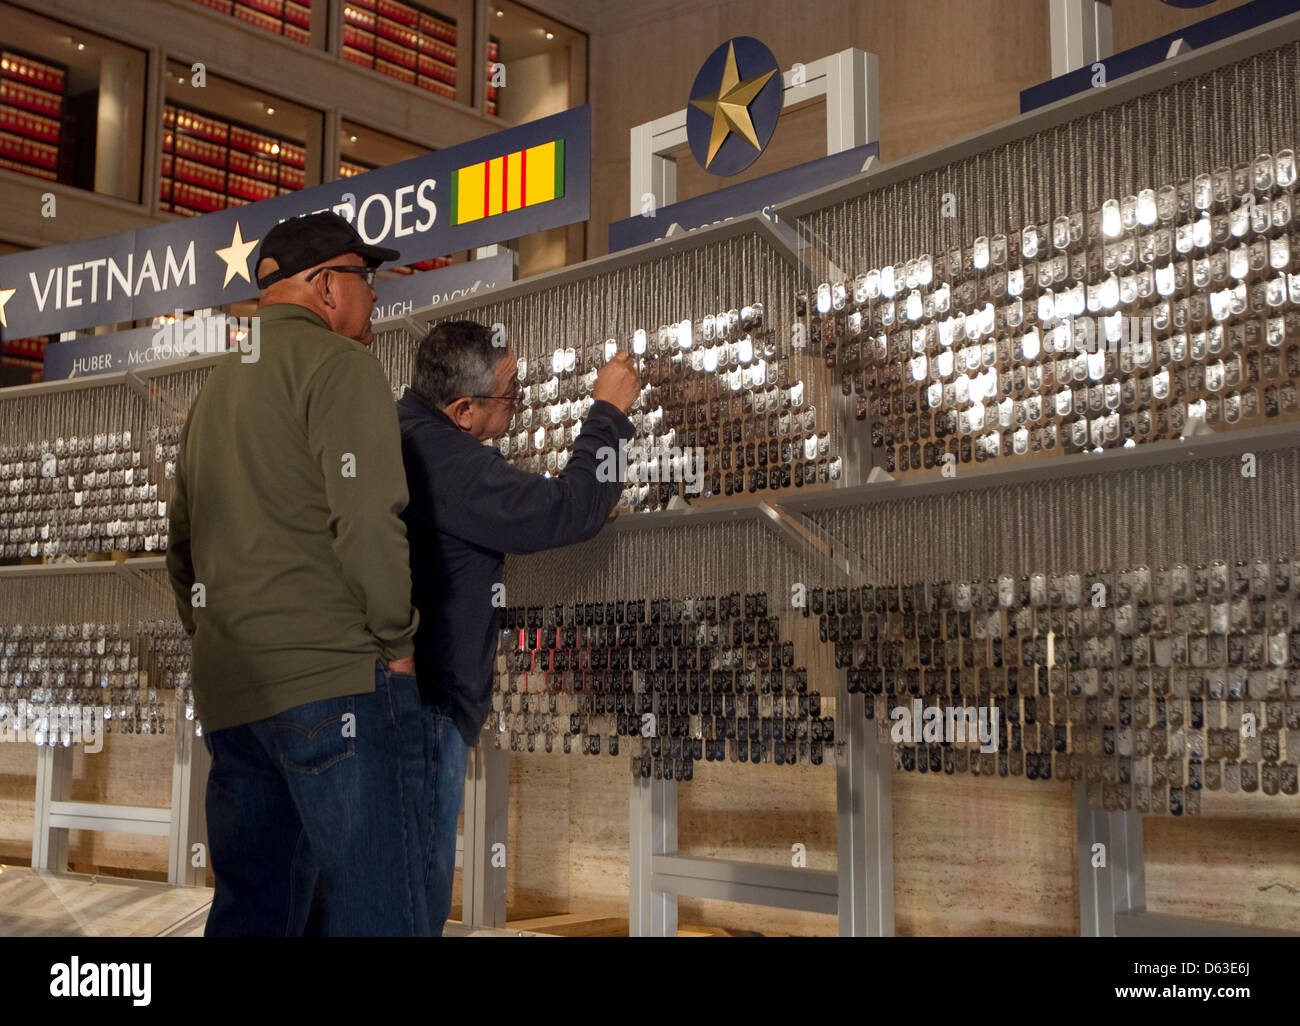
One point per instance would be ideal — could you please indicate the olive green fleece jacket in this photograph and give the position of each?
(285, 510)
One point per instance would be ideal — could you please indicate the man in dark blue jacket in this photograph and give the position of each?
(468, 508)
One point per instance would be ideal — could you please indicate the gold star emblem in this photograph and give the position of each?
(729, 106)
(236, 257)
(5, 296)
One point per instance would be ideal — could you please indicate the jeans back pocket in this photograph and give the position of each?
(313, 737)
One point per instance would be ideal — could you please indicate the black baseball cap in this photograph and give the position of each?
(303, 242)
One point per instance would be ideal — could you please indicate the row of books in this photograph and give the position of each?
(289, 18)
(211, 163)
(250, 186)
(31, 113)
(181, 197)
(403, 40)
(202, 136)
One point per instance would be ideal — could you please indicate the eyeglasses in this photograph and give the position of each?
(512, 398)
(368, 273)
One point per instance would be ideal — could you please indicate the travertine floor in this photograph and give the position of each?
(72, 905)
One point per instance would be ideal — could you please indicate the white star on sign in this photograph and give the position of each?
(5, 296)
(236, 257)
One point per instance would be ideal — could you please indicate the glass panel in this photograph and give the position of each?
(71, 105)
(227, 145)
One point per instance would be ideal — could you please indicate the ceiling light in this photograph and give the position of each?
(501, 14)
(270, 109)
(550, 35)
(79, 45)
(352, 138)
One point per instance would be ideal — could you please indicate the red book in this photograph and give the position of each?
(398, 12)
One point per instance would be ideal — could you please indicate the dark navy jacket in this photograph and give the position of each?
(468, 507)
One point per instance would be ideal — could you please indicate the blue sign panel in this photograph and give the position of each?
(207, 261)
(742, 198)
(143, 347)
(399, 296)
(1202, 33)
(200, 336)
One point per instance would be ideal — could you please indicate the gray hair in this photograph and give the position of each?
(455, 359)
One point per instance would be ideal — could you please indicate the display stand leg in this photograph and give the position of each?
(653, 821)
(866, 831)
(187, 858)
(53, 784)
(1117, 887)
(485, 857)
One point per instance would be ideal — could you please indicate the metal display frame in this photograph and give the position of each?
(860, 891)
(1110, 904)
(863, 891)
(182, 822)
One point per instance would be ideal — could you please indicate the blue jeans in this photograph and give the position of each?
(327, 798)
(448, 754)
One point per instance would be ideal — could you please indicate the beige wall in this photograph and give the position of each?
(535, 87)
(131, 770)
(947, 68)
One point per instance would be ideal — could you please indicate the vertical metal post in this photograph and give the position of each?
(1081, 33)
(53, 784)
(1118, 886)
(496, 249)
(852, 100)
(188, 822)
(653, 822)
(484, 865)
(865, 822)
(652, 175)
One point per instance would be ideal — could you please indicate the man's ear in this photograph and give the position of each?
(324, 283)
(461, 412)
